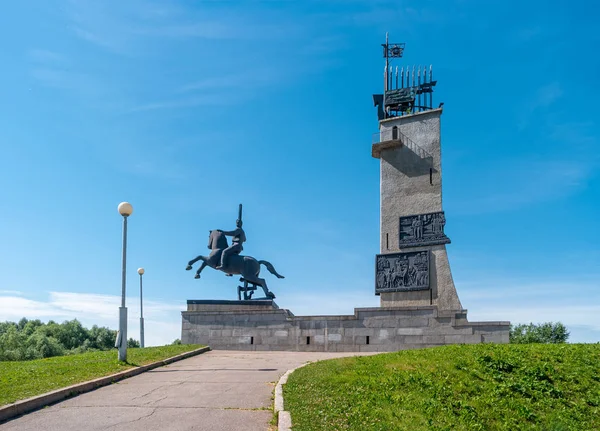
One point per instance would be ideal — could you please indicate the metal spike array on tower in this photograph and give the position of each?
(406, 92)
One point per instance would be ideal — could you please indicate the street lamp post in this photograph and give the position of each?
(125, 209)
(141, 272)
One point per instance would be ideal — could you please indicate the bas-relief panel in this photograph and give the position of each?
(423, 229)
(399, 272)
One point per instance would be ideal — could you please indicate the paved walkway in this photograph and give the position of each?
(218, 390)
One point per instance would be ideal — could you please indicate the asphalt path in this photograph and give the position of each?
(218, 390)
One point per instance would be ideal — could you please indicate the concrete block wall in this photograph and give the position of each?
(369, 329)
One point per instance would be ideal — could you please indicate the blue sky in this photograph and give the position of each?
(186, 109)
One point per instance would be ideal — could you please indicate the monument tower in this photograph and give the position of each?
(413, 267)
(419, 304)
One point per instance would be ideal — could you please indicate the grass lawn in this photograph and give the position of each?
(24, 379)
(460, 387)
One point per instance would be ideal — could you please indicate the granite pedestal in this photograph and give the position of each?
(262, 325)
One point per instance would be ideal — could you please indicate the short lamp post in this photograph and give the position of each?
(141, 272)
(125, 209)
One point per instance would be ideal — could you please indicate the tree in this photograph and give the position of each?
(133, 343)
(39, 346)
(72, 334)
(102, 338)
(33, 339)
(12, 344)
(548, 332)
(31, 327)
(176, 342)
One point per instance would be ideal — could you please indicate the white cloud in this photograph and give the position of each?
(10, 292)
(162, 320)
(14, 308)
(515, 300)
(538, 301)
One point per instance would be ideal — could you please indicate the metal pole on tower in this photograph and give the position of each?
(385, 85)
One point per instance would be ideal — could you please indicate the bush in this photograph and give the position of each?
(102, 338)
(39, 346)
(133, 343)
(12, 343)
(547, 333)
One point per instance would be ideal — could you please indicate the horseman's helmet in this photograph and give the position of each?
(238, 223)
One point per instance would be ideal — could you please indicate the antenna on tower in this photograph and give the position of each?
(408, 94)
(394, 50)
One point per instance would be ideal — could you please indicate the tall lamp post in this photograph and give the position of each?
(125, 209)
(141, 272)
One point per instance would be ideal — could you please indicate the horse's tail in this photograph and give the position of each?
(271, 268)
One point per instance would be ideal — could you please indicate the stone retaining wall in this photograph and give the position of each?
(241, 327)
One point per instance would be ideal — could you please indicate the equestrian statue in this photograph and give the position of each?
(227, 258)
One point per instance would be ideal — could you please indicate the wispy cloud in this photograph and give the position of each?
(162, 318)
(10, 292)
(226, 90)
(102, 24)
(540, 100)
(61, 79)
(527, 183)
(55, 70)
(122, 28)
(242, 79)
(526, 300)
(45, 56)
(271, 40)
(208, 29)
(184, 102)
(526, 34)
(547, 95)
(578, 137)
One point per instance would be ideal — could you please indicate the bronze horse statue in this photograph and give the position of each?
(247, 266)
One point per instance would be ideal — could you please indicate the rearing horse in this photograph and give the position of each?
(246, 266)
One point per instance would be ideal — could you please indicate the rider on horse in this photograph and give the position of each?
(239, 237)
(231, 261)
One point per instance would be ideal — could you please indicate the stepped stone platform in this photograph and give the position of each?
(260, 325)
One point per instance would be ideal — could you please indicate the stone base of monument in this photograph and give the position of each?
(262, 325)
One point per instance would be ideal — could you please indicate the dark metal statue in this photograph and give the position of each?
(234, 263)
(239, 237)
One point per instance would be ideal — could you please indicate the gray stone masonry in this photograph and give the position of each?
(411, 184)
(244, 327)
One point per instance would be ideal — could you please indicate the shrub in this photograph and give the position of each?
(133, 343)
(547, 333)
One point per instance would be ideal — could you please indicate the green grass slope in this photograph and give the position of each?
(459, 387)
(25, 379)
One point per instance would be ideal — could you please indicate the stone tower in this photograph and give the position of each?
(413, 267)
(419, 304)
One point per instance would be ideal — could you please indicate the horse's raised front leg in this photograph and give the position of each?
(191, 262)
(200, 269)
